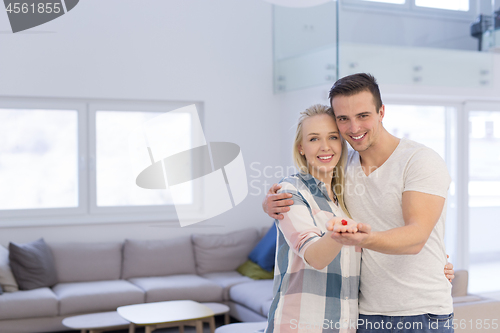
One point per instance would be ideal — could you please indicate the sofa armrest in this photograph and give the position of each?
(472, 317)
(467, 299)
(459, 283)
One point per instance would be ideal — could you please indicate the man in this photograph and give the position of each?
(399, 187)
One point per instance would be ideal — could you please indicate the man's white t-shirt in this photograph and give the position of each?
(399, 285)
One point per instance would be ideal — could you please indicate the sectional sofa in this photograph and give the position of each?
(473, 313)
(99, 277)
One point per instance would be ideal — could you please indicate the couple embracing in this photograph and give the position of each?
(361, 242)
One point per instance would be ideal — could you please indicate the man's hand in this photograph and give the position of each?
(274, 204)
(421, 212)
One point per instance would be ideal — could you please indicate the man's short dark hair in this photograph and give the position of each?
(354, 84)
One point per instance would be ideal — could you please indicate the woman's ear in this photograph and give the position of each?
(299, 148)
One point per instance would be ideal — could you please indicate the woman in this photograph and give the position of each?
(316, 278)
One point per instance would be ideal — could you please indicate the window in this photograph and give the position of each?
(117, 169)
(397, 2)
(459, 5)
(64, 161)
(422, 123)
(484, 196)
(435, 127)
(38, 158)
(468, 138)
(459, 9)
(367, 5)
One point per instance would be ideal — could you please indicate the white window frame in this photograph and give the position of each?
(87, 211)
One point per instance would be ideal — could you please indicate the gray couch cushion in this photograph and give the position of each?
(96, 296)
(7, 280)
(32, 265)
(459, 283)
(178, 287)
(40, 302)
(254, 295)
(265, 307)
(466, 299)
(223, 252)
(146, 258)
(226, 280)
(79, 262)
(242, 313)
(243, 327)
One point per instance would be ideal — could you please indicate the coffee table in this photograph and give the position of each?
(168, 314)
(96, 322)
(219, 309)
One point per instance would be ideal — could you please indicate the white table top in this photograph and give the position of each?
(217, 308)
(95, 320)
(164, 312)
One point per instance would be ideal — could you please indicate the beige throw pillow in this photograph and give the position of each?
(7, 280)
(223, 252)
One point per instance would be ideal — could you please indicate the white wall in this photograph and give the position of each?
(218, 52)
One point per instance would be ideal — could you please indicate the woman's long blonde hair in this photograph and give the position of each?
(300, 161)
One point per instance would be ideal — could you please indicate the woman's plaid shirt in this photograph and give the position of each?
(307, 299)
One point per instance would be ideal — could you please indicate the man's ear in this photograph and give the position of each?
(381, 112)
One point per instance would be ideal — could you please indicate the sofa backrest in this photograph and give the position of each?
(460, 283)
(143, 258)
(223, 252)
(82, 262)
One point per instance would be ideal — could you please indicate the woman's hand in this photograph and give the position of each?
(342, 225)
(351, 234)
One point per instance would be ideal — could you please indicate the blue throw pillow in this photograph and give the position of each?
(263, 254)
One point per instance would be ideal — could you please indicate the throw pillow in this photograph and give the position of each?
(263, 254)
(223, 252)
(32, 265)
(7, 280)
(254, 271)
